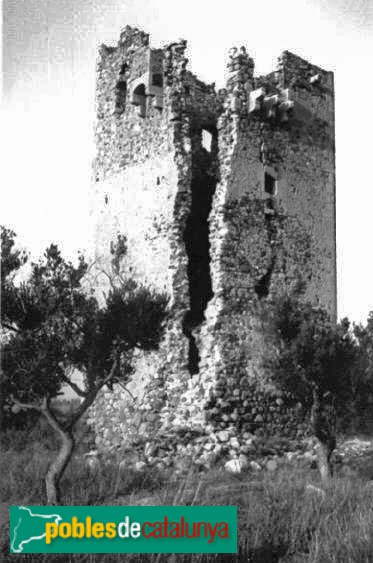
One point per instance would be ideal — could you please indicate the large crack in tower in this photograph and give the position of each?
(196, 238)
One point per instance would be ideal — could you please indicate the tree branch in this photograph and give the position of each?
(91, 396)
(128, 391)
(34, 406)
(44, 409)
(91, 265)
(53, 421)
(110, 278)
(74, 386)
(10, 327)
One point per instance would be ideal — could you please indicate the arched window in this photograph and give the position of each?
(139, 98)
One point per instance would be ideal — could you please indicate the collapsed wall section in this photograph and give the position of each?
(197, 240)
(272, 231)
(154, 185)
(142, 194)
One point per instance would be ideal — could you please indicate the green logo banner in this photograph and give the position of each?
(123, 529)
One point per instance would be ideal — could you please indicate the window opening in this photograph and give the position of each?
(206, 139)
(270, 184)
(120, 96)
(157, 80)
(139, 99)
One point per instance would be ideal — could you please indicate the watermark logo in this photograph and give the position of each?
(123, 529)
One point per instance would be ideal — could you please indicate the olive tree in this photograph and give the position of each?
(55, 327)
(315, 363)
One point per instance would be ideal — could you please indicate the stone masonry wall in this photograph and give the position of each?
(222, 230)
(134, 170)
(230, 391)
(143, 192)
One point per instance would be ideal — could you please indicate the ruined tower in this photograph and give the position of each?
(225, 198)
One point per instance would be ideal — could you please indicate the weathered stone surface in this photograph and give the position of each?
(223, 436)
(233, 466)
(255, 466)
(271, 465)
(223, 200)
(140, 465)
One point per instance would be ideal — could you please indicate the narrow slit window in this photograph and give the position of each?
(157, 80)
(120, 96)
(270, 184)
(206, 140)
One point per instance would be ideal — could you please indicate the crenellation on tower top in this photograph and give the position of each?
(132, 38)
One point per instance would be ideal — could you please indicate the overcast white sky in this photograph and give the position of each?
(49, 51)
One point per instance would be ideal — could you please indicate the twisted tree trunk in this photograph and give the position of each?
(323, 430)
(323, 462)
(58, 466)
(65, 433)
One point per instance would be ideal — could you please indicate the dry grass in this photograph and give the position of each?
(279, 519)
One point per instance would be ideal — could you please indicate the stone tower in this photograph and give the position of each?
(226, 198)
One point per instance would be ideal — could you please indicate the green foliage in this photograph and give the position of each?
(55, 326)
(362, 382)
(43, 313)
(12, 260)
(313, 352)
(131, 318)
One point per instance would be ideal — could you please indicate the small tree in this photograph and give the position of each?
(363, 375)
(57, 328)
(315, 363)
(12, 260)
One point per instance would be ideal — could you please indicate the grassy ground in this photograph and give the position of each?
(279, 518)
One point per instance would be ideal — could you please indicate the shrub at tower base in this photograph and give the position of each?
(316, 362)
